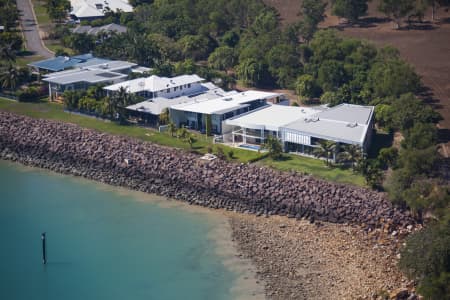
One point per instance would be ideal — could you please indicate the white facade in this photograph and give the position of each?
(161, 87)
(197, 114)
(301, 129)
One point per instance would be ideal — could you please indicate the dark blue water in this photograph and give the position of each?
(101, 244)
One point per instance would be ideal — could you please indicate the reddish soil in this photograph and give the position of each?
(426, 47)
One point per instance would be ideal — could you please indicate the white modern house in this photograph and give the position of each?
(93, 9)
(255, 126)
(160, 93)
(94, 71)
(163, 87)
(343, 124)
(300, 129)
(210, 113)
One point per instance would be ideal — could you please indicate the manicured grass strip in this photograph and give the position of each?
(316, 168)
(55, 111)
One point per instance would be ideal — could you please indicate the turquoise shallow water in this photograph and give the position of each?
(101, 244)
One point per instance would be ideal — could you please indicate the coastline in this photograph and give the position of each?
(281, 258)
(173, 173)
(245, 194)
(300, 260)
(245, 287)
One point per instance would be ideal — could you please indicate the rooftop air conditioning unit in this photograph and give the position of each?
(352, 125)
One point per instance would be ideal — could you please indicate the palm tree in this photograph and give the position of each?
(190, 139)
(182, 133)
(273, 145)
(118, 101)
(326, 149)
(172, 128)
(164, 116)
(351, 153)
(10, 77)
(7, 52)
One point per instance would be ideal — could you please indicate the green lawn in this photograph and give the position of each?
(55, 111)
(55, 45)
(41, 12)
(316, 168)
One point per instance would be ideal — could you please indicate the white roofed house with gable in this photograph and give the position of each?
(162, 92)
(93, 9)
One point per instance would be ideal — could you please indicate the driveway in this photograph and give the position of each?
(31, 30)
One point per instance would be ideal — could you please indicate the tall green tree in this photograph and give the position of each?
(10, 77)
(393, 77)
(426, 259)
(396, 9)
(58, 9)
(250, 71)
(312, 12)
(172, 129)
(306, 87)
(420, 136)
(350, 9)
(222, 58)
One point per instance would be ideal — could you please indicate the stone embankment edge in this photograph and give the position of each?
(70, 149)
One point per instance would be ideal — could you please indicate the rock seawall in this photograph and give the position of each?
(70, 149)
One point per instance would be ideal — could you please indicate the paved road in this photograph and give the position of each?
(31, 30)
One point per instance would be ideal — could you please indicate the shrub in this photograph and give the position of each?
(220, 153)
(30, 94)
(230, 154)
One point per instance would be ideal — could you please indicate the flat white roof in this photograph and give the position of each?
(349, 113)
(154, 83)
(157, 105)
(225, 104)
(271, 117)
(90, 76)
(345, 123)
(111, 65)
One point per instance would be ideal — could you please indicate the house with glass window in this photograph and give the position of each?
(92, 72)
(207, 115)
(163, 87)
(301, 129)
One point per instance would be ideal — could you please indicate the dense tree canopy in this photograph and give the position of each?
(350, 9)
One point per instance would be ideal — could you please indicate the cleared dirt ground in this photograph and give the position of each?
(426, 47)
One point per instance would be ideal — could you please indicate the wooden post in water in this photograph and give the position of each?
(44, 251)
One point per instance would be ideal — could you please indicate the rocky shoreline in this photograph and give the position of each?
(297, 255)
(127, 162)
(300, 260)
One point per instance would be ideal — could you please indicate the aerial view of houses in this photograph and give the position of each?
(226, 149)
